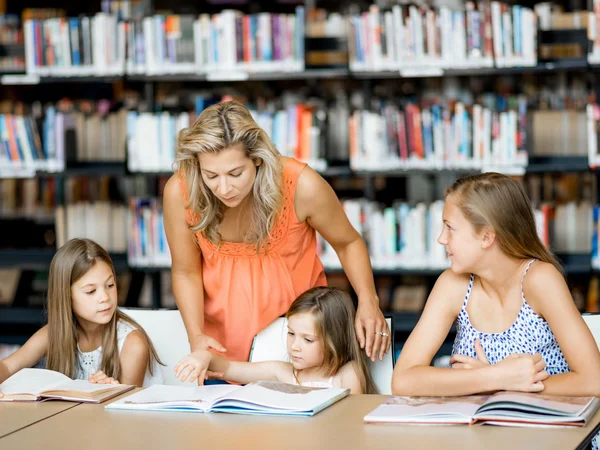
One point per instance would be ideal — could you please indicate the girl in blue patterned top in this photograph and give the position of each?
(517, 326)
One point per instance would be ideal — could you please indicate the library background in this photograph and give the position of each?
(390, 102)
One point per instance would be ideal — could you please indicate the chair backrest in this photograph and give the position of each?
(593, 322)
(168, 335)
(270, 345)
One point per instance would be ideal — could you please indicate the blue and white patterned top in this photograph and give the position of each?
(529, 334)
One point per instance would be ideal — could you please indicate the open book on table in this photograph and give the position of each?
(502, 408)
(41, 384)
(262, 397)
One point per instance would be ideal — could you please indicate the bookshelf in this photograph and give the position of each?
(542, 164)
(19, 78)
(577, 265)
(39, 259)
(32, 259)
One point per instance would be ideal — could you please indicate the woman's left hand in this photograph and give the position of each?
(466, 362)
(101, 378)
(372, 329)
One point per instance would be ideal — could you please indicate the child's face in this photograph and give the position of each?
(303, 345)
(229, 174)
(458, 236)
(95, 295)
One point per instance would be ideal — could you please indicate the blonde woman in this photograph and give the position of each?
(87, 337)
(241, 223)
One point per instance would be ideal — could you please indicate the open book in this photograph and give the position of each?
(32, 385)
(262, 397)
(502, 408)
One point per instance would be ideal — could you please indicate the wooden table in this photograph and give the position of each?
(338, 427)
(15, 416)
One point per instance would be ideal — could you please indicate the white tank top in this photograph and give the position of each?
(317, 384)
(88, 363)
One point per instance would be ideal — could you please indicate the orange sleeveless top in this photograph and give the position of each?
(245, 291)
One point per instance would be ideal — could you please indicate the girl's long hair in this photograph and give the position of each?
(334, 314)
(71, 262)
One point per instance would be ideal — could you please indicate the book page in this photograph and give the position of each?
(33, 381)
(279, 396)
(561, 405)
(84, 387)
(427, 409)
(163, 396)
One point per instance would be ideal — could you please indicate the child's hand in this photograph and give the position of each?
(101, 378)
(195, 367)
(210, 375)
(466, 362)
(523, 373)
(1, 395)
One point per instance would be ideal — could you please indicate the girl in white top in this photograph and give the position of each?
(321, 343)
(87, 337)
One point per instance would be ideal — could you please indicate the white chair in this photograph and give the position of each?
(168, 335)
(270, 345)
(593, 323)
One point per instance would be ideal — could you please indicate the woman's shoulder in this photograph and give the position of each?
(292, 168)
(172, 190)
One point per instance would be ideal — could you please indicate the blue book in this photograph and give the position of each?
(4, 136)
(596, 210)
(518, 41)
(360, 57)
(74, 38)
(49, 130)
(299, 33)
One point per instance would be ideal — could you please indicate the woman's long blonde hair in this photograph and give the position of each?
(499, 202)
(71, 262)
(334, 314)
(220, 127)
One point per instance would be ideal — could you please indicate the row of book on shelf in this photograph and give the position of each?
(433, 135)
(410, 38)
(413, 37)
(493, 134)
(441, 135)
(75, 132)
(229, 44)
(223, 45)
(436, 135)
(45, 141)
